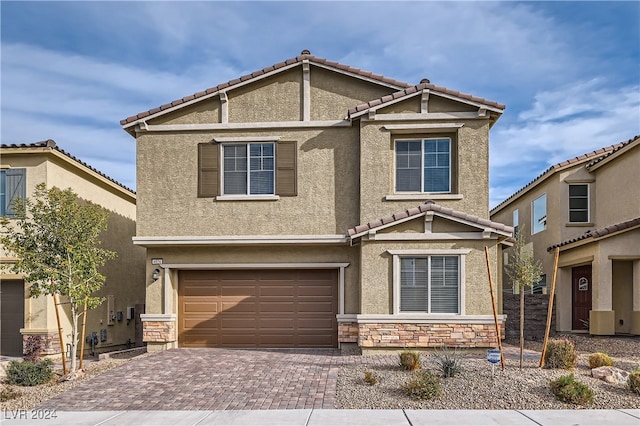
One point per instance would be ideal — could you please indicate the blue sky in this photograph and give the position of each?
(569, 72)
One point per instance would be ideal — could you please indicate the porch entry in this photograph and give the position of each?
(582, 284)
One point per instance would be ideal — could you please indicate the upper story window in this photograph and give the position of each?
(515, 222)
(423, 165)
(579, 203)
(539, 214)
(12, 186)
(248, 169)
(259, 170)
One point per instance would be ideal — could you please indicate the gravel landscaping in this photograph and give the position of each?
(477, 388)
(474, 388)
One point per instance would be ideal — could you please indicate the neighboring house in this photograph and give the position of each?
(259, 204)
(589, 207)
(116, 321)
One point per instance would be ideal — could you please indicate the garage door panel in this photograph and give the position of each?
(258, 308)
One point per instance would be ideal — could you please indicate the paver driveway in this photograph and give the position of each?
(211, 379)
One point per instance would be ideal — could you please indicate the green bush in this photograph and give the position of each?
(634, 381)
(448, 362)
(568, 389)
(560, 353)
(9, 393)
(370, 378)
(600, 359)
(410, 360)
(28, 373)
(423, 385)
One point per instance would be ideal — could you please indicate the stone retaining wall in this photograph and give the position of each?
(535, 315)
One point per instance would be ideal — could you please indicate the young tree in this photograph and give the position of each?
(524, 271)
(55, 238)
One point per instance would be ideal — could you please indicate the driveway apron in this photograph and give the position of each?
(211, 379)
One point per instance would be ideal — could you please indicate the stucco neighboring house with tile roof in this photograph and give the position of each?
(589, 208)
(22, 167)
(362, 218)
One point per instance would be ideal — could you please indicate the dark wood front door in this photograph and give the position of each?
(582, 283)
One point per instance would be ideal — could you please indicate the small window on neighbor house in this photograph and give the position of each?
(12, 187)
(539, 214)
(579, 203)
(538, 288)
(248, 169)
(515, 222)
(423, 165)
(430, 284)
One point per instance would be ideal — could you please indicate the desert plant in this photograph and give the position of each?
(634, 381)
(568, 389)
(28, 373)
(600, 359)
(448, 362)
(370, 378)
(33, 347)
(560, 353)
(409, 360)
(423, 385)
(9, 393)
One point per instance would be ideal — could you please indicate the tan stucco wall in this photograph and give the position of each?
(617, 189)
(622, 288)
(238, 254)
(332, 95)
(327, 193)
(377, 274)
(205, 111)
(125, 274)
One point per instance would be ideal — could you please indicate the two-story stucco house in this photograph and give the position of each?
(589, 208)
(311, 204)
(115, 322)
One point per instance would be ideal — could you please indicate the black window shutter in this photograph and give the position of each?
(208, 173)
(16, 187)
(286, 179)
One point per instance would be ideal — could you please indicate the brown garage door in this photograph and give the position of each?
(12, 316)
(258, 308)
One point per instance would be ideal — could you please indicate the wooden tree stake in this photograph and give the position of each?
(493, 304)
(550, 309)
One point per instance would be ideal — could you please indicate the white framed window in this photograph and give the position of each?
(539, 214)
(429, 282)
(515, 222)
(248, 169)
(579, 203)
(423, 165)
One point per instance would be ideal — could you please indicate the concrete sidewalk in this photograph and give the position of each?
(310, 417)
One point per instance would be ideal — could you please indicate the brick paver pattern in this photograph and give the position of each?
(211, 379)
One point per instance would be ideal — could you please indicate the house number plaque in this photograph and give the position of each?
(583, 284)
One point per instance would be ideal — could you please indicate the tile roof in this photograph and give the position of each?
(420, 210)
(417, 89)
(593, 155)
(618, 148)
(50, 143)
(599, 233)
(305, 55)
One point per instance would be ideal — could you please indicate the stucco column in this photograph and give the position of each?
(602, 317)
(563, 300)
(635, 315)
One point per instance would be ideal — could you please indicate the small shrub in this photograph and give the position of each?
(8, 394)
(568, 389)
(370, 378)
(560, 353)
(448, 362)
(600, 359)
(423, 385)
(634, 381)
(28, 373)
(33, 347)
(410, 360)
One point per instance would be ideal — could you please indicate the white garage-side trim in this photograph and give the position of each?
(168, 284)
